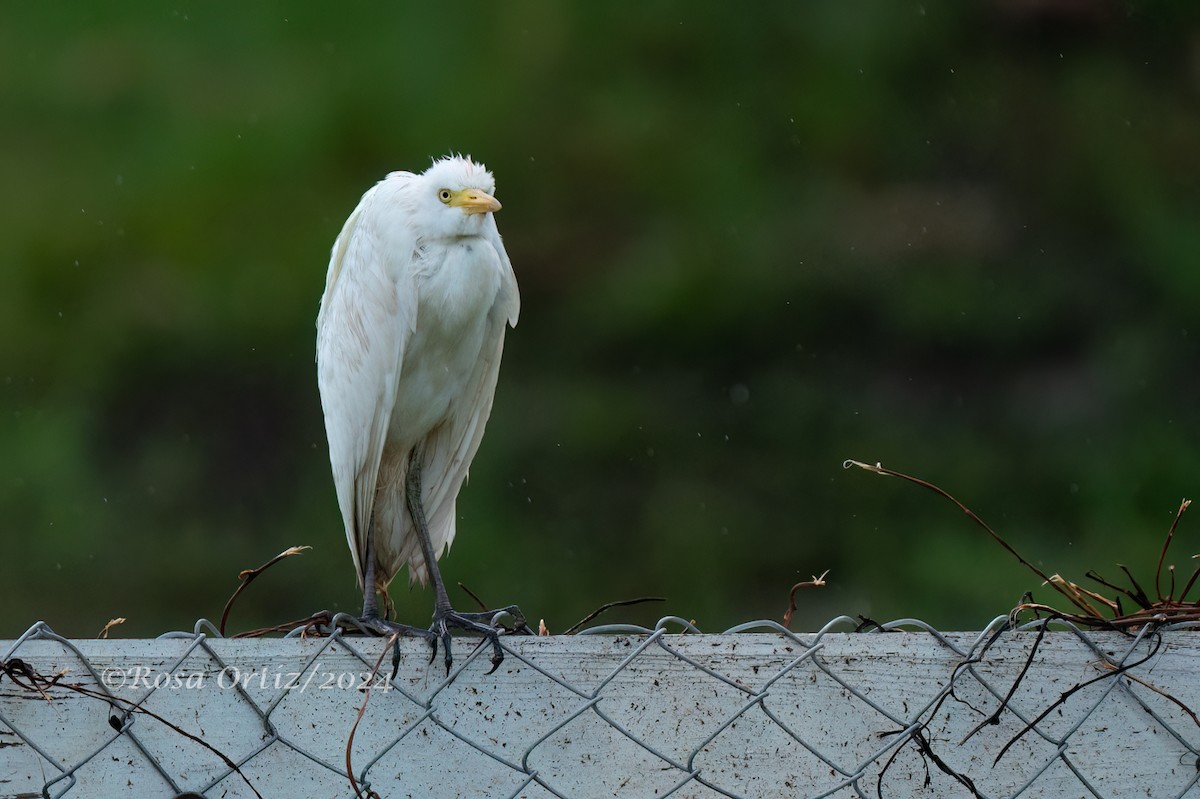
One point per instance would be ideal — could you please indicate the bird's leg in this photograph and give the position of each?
(444, 614)
(371, 621)
(370, 609)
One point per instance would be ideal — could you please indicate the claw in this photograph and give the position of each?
(482, 624)
(497, 657)
(395, 658)
(371, 624)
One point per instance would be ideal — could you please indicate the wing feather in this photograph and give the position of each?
(366, 318)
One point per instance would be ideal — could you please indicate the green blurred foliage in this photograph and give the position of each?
(753, 241)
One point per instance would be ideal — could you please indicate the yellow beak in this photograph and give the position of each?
(474, 201)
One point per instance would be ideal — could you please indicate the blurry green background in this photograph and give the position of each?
(752, 241)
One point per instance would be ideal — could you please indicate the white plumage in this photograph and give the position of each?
(409, 338)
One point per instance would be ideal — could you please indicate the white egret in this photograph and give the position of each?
(409, 338)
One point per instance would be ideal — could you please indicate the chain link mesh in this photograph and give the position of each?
(757, 711)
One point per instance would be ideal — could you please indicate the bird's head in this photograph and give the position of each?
(455, 196)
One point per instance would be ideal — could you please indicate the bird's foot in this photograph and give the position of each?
(488, 623)
(374, 625)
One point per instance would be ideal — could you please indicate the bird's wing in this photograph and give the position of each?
(510, 298)
(366, 318)
(450, 448)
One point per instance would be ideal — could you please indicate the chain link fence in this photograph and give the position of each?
(1040, 709)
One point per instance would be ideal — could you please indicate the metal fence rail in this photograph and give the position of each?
(1041, 710)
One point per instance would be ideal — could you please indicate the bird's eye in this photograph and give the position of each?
(444, 195)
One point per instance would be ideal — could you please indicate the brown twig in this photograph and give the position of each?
(815, 582)
(944, 767)
(111, 623)
(1166, 545)
(1093, 575)
(474, 596)
(1071, 692)
(247, 576)
(41, 685)
(17, 669)
(1168, 608)
(618, 604)
(1079, 596)
(994, 718)
(1140, 593)
(362, 712)
(879, 469)
(1191, 713)
(923, 745)
(318, 618)
(1192, 581)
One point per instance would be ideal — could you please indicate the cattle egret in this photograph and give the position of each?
(409, 338)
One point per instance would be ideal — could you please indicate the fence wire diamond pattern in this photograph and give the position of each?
(757, 711)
